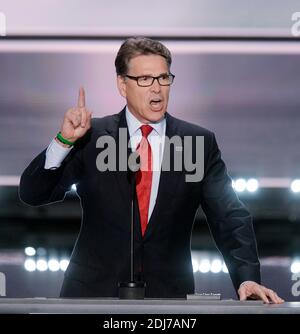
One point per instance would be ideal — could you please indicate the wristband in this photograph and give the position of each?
(64, 140)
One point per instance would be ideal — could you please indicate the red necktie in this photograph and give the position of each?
(144, 176)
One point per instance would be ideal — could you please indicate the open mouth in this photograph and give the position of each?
(156, 103)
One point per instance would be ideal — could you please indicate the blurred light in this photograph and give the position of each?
(30, 265)
(252, 185)
(204, 266)
(195, 266)
(295, 267)
(74, 188)
(30, 251)
(233, 184)
(240, 185)
(63, 264)
(224, 268)
(295, 186)
(41, 265)
(216, 266)
(53, 265)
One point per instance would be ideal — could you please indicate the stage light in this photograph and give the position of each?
(224, 268)
(30, 265)
(30, 251)
(216, 266)
(63, 264)
(204, 266)
(74, 188)
(240, 185)
(41, 265)
(252, 185)
(195, 266)
(295, 186)
(53, 265)
(295, 267)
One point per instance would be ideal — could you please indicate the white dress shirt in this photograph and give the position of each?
(55, 155)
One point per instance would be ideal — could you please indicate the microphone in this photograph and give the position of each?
(132, 289)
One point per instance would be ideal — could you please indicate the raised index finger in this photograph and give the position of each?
(81, 98)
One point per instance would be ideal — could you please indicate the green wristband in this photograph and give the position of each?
(64, 140)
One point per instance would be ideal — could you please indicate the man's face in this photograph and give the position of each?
(148, 104)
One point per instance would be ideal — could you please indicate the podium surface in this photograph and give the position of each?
(146, 306)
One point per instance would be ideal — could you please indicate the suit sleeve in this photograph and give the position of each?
(229, 221)
(39, 186)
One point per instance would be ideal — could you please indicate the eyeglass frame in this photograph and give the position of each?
(153, 78)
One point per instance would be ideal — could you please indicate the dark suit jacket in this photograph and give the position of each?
(100, 258)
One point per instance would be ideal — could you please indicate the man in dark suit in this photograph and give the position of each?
(167, 202)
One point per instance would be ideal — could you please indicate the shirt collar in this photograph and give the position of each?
(134, 124)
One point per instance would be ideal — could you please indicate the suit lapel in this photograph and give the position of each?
(122, 176)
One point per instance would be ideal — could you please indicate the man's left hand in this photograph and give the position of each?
(255, 291)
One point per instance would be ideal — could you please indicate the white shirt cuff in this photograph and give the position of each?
(55, 155)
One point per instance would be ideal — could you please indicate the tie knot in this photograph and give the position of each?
(146, 129)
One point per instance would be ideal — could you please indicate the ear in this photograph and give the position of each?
(121, 85)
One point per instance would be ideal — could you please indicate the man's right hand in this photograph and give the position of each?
(77, 121)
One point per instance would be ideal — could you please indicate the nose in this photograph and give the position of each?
(156, 86)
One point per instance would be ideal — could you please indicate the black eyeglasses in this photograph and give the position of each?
(147, 80)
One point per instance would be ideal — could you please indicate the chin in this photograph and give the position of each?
(155, 116)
